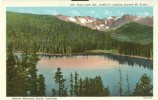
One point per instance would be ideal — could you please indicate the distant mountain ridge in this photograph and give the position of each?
(51, 35)
(134, 32)
(105, 24)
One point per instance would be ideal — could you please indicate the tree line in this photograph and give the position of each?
(46, 34)
(79, 86)
(53, 36)
(22, 80)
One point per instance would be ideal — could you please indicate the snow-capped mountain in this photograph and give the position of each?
(132, 18)
(112, 22)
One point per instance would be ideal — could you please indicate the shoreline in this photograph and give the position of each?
(89, 53)
(93, 53)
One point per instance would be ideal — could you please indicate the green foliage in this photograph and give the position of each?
(21, 74)
(76, 84)
(128, 84)
(51, 34)
(134, 39)
(93, 87)
(102, 51)
(54, 92)
(120, 84)
(80, 87)
(59, 79)
(135, 33)
(47, 34)
(86, 87)
(106, 91)
(41, 85)
(71, 85)
(135, 49)
(54, 36)
(143, 87)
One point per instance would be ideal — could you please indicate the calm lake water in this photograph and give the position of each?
(107, 66)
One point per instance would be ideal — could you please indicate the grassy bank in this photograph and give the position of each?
(95, 52)
(102, 51)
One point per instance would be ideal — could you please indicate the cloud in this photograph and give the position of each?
(74, 12)
(146, 13)
(143, 14)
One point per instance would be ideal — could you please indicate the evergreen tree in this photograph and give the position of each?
(128, 90)
(41, 85)
(22, 71)
(11, 70)
(99, 86)
(80, 87)
(120, 84)
(33, 59)
(54, 92)
(86, 87)
(76, 84)
(106, 91)
(143, 87)
(15, 74)
(59, 79)
(71, 85)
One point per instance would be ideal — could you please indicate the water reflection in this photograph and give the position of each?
(146, 63)
(107, 66)
(131, 61)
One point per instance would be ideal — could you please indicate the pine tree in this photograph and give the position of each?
(76, 84)
(11, 70)
(21, 70)
(120, 84)
(80, 87)
(59, 79)
(41, 85)
(33, 59)
(128, 90)
(71, 85)
(15, 74)
(106, 91)
(54, 92)
(86, 87)
(143, 87)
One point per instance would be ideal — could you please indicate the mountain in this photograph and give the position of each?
(91, 22)
(49, 34)
(131, 18)
(105, 24)
(146, 21)
(135, 33)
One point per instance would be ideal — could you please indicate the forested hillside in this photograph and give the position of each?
(54, 36)
(134, 39)
(135, 32)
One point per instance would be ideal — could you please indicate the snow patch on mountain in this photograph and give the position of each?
(72, 19)
(82, 20)
(112, 22)
(107, 27)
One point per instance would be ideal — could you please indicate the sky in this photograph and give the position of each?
(97, 12)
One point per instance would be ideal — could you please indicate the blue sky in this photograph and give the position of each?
(97, 12)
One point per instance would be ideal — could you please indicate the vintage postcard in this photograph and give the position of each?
(52, 50)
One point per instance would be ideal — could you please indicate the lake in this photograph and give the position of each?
(107, 66)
